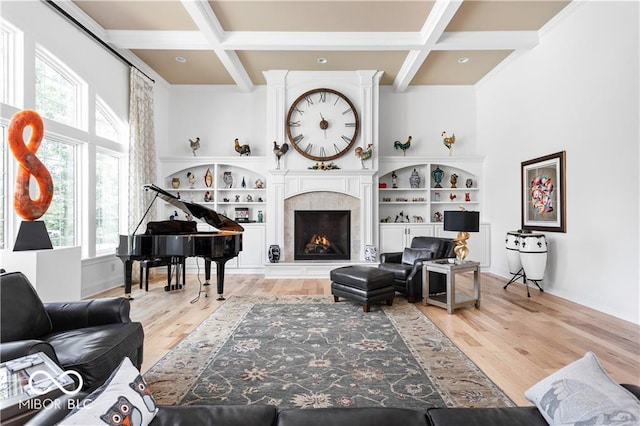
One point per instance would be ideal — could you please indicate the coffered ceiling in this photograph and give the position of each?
(415, 42)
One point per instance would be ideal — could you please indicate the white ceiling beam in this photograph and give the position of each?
(433, 28)
(281, 41)
(207, 22)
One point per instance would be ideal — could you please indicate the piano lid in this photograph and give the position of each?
(213, 218)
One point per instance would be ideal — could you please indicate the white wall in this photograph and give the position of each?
(576, 91)
(217, 115)
(424, 112)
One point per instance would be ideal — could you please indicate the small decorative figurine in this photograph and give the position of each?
(175, 183)
(174, 216)
(259, 184)
(437, 217)
(260, 216)
(394, 180)
(401, 218)
(363, 154)
(418, 219)
(208, 178)
(467, 196)
(448, 141)
(195, 145)
(468, 183)
(260, 200)
(207, 197)
(227, 179)
(403, 146)
(436, 196)
(279, 151)
(226, 200)
(437, 175)
(192, 179)
(414, 179)
(452, 196)
(237, 198)
(243, 184)
(249, 199)
(178, 195)
(454, 180)
(241, 149)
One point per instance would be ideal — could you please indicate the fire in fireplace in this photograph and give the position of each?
(322, 234)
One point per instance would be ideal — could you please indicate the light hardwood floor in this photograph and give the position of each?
(515, 340)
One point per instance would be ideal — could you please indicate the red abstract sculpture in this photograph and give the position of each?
(29, 165)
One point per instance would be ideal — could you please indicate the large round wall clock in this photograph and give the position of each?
(322, 124)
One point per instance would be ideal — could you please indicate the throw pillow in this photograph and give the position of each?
(123, 399)
(410, 255)
(583, 393)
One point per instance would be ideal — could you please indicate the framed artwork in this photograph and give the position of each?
(543, 193)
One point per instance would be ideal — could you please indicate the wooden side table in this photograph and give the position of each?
(451, 300)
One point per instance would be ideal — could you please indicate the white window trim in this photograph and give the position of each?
(121, 200)
(13, 65)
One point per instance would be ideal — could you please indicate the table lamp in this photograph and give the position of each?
(464, 222)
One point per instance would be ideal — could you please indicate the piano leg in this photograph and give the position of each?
(220, 276)
(128, 266)
(207, 272)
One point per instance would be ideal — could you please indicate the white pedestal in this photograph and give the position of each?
(55, 274)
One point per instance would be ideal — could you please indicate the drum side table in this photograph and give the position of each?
(451, 300)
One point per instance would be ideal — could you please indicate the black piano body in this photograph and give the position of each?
(180, 239)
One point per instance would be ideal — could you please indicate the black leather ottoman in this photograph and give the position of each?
(362, 284)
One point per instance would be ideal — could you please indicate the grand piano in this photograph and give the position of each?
(180, 239)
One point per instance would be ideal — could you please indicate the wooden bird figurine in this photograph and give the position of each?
(242, 149)
(403, 146)
(279, 151)
(195, 145)
(448, 141)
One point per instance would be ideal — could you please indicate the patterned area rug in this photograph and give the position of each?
(307, 351)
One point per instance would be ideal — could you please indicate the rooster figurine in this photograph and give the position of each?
(363, 154)
(279, 151)
(403, 146)
(242, 149)
(448, 141)
(195, 145)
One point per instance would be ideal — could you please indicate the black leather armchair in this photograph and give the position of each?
(91, 337)
(407, 265)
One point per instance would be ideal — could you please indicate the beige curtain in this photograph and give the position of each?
(142, 148)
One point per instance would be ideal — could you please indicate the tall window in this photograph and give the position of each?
(4, 61)
(58, 91)
(3, 190)
(61, 217)
(107, 201)
(106, 123)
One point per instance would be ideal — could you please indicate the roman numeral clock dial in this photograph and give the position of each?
(322, 124)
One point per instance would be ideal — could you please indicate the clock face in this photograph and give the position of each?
(322, 124)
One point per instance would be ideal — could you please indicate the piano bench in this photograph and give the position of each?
(145, 265)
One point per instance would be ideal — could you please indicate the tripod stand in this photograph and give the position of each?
(523, 275)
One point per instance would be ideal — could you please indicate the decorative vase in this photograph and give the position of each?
(208, 178)
(274, 253)
(175, 183)
(468, 183)
(260, 216)
(370, 253)
(414, 179)
(437, 175)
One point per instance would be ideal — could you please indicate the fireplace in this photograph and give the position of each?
(322, 235)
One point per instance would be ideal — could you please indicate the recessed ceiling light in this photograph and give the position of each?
(322, 60)
(181, 59)
(463, 60)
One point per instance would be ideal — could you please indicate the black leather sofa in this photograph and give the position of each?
(90, 336)
(406, 266)
(267, 415)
